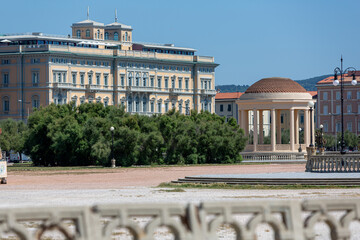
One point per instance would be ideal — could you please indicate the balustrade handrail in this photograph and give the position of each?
(334, 163)
(198, 221)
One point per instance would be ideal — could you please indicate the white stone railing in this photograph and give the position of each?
(271, 156)
(290, 220)
(334, 163)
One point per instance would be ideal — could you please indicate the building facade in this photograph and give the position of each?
(329, 105)
(101, 63)
(225, 105)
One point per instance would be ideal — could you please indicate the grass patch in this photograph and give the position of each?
(29, 167)
(255, 187)
(172, 190)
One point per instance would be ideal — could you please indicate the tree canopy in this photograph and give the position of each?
(65, 135)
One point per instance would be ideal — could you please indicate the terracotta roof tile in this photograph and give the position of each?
(312, 93)
(347, 78)
(275, 84)
(230, 95)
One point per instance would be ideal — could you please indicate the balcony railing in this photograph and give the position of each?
(208, 92)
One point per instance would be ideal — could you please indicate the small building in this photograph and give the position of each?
(329, 105)
(225, 105)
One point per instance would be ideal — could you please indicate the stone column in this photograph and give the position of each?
(246, 122)
(261, 127)
(306, 127)
(278, 126)
(292, 135)
(255, 130)
(297, 127)
(273, 130)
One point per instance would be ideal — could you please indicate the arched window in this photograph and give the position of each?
(130, 79)
(144, 104)
(87, 33)
(137, 80)
(6, 104)
(126, 36)
(35, 101)
(106, 36)
(130, 103)
(78, 34)
(98, 34)
(116, 36)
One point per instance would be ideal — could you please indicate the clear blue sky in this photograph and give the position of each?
(250, 39)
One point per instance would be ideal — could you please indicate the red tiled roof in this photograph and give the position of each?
(347, 78)
(312, 93)
(275, 85)
(230, 95)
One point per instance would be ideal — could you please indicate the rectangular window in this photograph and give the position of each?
(82, 79)
(325, 96)
(325, 112)
(35, 79)
(97, 79)
(144, 106)
(106, 80)
(221, 108)
(5, 79)
(59, 77)
(5, 61)
(338, 126)
(349, 126)
(166, 83)
(122, 80)
(186, 83)
(338, 95)
(326, 127)
(187, 109)
(159, 82)
(74, 78)
(229, 108)
(35, 103)
(137, 106)
(159, 107)
(180, 83)
(90, 79)
(152, 107)
(349, 108)
(358, 95)
(166, 107)
(338, 108)
(152, 81)
(348, 95)
(358, 111)
(173, 83)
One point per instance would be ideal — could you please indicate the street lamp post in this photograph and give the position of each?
(21, 108)
(300, 149)
(336, 82)
(112, 147)
(321, 136)
(311, 105)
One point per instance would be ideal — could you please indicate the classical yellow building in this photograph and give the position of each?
(101, 63)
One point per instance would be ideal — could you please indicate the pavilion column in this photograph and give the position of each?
(297, 127)
(292, 135)
(278, 126)
(306, 127)
(255, 130)
(242, 119)
(246, 122)
(261, 127)
(273, 130)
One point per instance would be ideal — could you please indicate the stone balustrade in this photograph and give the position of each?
(289, 220)
(334, 162)
(271, 156)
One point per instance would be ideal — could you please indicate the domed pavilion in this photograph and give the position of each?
(274, 112)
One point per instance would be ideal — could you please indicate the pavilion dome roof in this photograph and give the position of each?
(276, 85)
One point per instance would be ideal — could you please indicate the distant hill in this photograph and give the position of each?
(308, 84)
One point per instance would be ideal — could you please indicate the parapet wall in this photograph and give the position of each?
(185, 221)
